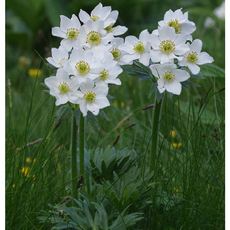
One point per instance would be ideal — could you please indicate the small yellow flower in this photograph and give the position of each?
(122, 104)
(26, 170)
(34, 160)
(28, 160)
(34, 177)
(176, 192)
(172, 133)
(176, 145)
(13, 185)
(34, 72)
(115, 103)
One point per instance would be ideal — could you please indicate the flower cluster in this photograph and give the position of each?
(88, 59)
(169, 51)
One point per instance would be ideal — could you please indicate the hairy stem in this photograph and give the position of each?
(74, 156)
(81, 143)
(155, 134)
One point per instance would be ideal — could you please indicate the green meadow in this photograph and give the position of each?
(186, 189)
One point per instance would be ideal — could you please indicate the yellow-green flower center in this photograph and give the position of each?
(104, 74)
(175, 25)
(82, 67)
(192, 57)
(139, 47)
(116, 54)
(109, 28)
(167, 47)
(94, 18)
(94, 38)
(72, 33)
(90, 97)
(60, 62)
(169, 77)
(63, 88)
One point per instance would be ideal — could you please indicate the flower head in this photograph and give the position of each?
(83, 65)
(69, 30)
(62, 87)
(179, 22)
(167, 46)
(92, 34)
(195, 57)
(169, 77)
(59, 57)
(137, 48)
(109, 73)
(104, 14)
(92, 98)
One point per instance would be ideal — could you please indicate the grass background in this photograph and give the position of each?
(189, 180)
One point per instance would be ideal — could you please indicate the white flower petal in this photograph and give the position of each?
(87, 86)
(195, 69)
(119, 30)
(155, 55)
(144, 36)
(144, 58)
(188, 28)
(181, 75)
(65, 23)
(57, 32)
(75, 22)
(167, 33)
(196, 46)
(84, 16)
(66, 44)
(173, 87)
(204, 58)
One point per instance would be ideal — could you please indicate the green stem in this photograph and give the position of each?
(155, 134)
(74, 156)
(81, 143)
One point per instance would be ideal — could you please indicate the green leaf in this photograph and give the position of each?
(212, 70)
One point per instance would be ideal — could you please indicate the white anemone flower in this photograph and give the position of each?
(62, 87)
(137, 48)
(117, 30)
(195, 57)
(169, 77)
(179, 22)
(111, 70)
(92, 98)
(105, 14)
(59, 57)
(69, 30)
(82, 64)
(117, 52)
(92, 34)
(167, 46)
(220, 11)
(100, 12)
(209, 22)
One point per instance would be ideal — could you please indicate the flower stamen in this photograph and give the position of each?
(192, 57)
(63, 88)
(82, 67)
(169, 77)
(139, 47)
(104, 74)
(90, 97)
(167, 47)
(116, 54)
(95, 18)
(175, 25)
(93, 38)
(72, 33)
(109, 28)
